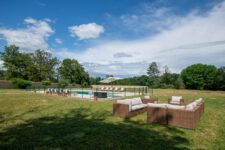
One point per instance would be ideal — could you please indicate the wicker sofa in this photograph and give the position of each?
(131, 107)
(185, 116)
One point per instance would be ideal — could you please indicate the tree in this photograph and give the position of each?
(153, 73)
(170, 80)
(72, 71)
(199, 76)
(166, 77)
(85, 79)
(44, 65)
(16, 63)
(2, 74)
(176, 80)
(95, 80)
(219, 82)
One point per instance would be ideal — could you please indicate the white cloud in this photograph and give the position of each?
(86, 31)
(120, 55)
(149, 17)
(188, 40)
(32, 37)
(59, 41)
(48, 20)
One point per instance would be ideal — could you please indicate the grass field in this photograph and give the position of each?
(35, 121)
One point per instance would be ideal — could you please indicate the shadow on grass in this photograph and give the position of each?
(79, 130)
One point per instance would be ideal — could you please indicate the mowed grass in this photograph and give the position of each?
(38, 121)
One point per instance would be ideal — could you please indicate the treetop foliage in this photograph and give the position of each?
(199, 76)
(73, 71)
(41, 66)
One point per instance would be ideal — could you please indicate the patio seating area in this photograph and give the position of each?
(44, 121)
(177, 112)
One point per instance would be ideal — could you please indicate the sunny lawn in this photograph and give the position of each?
(36, 121)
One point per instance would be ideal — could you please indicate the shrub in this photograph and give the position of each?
(84, 84)
(177, 84)
(63, 83)
(46, 83)
(20, 83)
(199, 76)
(74, 84)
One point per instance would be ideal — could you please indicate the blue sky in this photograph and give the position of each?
(118, 37)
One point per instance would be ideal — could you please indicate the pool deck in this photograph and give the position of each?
(116, 95)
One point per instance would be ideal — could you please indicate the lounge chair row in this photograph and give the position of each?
(112, 89)
(177, 112)
(58, 91)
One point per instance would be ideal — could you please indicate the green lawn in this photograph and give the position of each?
(35, 121)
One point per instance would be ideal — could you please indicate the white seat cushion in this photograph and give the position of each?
(176, 99)
(136, 101)
(191, 106)
(175, 106)
(140, 106)
(147, 97)
(157, 105)
(198, 100)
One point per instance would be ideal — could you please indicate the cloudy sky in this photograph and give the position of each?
(118, 37)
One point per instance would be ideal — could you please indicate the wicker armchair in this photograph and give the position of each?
(181, 102)
(184, 118)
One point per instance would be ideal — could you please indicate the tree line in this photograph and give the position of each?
(41, 66)
(196, 76)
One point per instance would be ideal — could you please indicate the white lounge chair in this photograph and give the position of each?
(102, 89)
(122, 90)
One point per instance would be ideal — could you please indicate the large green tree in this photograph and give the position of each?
(44, 66)
(199, 76)
(166, 77)
(16, 63)
(153, 73)
(73, 71)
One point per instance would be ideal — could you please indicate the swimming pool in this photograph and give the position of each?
(83, 92)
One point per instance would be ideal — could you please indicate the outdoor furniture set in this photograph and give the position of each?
(177, 112)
